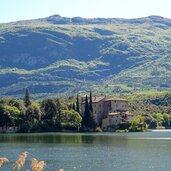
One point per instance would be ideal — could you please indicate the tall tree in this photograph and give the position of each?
(73, 106)
(32, 114)
(88, 121)
(49, 110)
(27, 100)
(91, 103)
(58, 116)
(5, 118)
(78, 105)
(85, 119)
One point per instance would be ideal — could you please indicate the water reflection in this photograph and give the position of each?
(92, 152)
(55, 138)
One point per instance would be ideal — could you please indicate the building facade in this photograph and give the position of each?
(108, 111)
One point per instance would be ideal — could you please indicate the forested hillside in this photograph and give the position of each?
(58, 55)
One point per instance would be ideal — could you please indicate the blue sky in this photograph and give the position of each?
(13, 10)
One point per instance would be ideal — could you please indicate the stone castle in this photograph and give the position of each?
(108, 111)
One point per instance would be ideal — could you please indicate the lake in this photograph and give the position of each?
(91, 152)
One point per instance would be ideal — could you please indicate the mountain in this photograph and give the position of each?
(59, 55)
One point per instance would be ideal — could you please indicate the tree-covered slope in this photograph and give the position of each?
(57, 55)
(149, 102)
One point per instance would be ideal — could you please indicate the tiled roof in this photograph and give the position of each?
(96, 99)
(115, 99)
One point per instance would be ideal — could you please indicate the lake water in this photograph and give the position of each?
(91, 152)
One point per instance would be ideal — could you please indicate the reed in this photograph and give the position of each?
(21, 161)
(37, 165)
(3, 160)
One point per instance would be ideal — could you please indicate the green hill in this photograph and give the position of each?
(58, 55)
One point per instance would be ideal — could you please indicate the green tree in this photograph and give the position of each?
(48, 118)
(150, 121)
(49, 110)
(91, 103)
(5, 119)
(58, 115)
(73, 106)
(78, 105)
(88, 121)
(85, 115)
(137, 124)
(32, 114)
(159, 117)
(17, 103)
(71, 119)
(27, 100)
(166, 121)
(14, 115)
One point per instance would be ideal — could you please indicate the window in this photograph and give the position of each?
(110, 106)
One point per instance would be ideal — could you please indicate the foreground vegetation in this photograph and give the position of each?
(39, 116)
(151, 110)
(20, 162)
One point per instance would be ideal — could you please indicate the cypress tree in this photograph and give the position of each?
(27, 101)
(73, 106)
(85, 120)
(91, 103)
(78, 105)
(88, 121)
(92, 123)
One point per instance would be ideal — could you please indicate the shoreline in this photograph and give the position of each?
(91, 132)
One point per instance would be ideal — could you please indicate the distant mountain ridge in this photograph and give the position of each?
(57, 19)
(60, 55)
